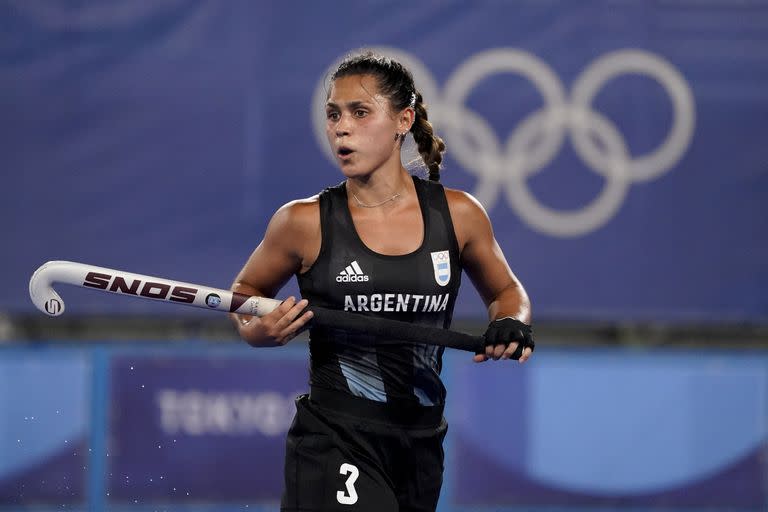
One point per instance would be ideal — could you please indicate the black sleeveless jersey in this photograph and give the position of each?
(419, 287)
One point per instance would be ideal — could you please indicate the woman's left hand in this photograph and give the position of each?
(507, 338)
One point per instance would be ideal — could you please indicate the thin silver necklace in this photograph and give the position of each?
(363, 205)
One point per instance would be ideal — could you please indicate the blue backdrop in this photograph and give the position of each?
(618, 146)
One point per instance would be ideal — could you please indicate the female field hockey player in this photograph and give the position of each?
(368, 436)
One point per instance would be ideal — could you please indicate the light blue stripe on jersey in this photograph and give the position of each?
(423, 398)
(364, 384)
(424, 359)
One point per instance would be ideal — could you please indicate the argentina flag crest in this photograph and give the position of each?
(441, 262)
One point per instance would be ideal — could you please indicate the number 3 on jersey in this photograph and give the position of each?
(350, 496)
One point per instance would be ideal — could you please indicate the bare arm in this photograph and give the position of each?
(487, 268)
(288, 245)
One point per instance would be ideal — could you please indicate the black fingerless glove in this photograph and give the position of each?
(510, 330)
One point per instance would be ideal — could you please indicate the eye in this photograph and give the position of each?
(360, 113)
(332, 115)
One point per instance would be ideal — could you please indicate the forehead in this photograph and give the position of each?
(354, 88)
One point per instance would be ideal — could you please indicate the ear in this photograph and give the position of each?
(405, 120)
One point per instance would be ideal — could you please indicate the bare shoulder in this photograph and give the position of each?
(464, 205)
(298, 217)
(468, 215)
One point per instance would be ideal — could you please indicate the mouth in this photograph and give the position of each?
(344, 152)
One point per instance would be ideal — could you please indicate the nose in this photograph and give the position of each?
(342, 126)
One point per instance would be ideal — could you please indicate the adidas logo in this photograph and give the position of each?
(352, 274)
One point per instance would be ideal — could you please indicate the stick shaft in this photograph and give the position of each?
(110, 280)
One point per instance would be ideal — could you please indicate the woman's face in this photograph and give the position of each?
(360, 126)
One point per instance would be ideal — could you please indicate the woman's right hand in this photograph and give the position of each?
(275, 328)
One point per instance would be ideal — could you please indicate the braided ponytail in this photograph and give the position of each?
(431, 147)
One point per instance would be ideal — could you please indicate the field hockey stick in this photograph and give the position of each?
(47, 300)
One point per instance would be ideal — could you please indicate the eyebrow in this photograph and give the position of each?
(351, 104)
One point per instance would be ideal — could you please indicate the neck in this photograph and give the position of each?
(376, 190)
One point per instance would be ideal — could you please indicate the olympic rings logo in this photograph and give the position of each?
(504, 167)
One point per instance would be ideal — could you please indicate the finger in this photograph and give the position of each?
(498, 351)
(480, 358)
(298, 325)
(298, 309)
(527, 352)
(290, 315)
(281, 310)
(510, 350)
(303, 320)
(273, 322)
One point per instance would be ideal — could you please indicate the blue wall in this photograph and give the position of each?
(193, 425)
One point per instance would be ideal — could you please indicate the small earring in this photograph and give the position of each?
(397, 135)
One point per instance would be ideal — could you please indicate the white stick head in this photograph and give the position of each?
(41, 290)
